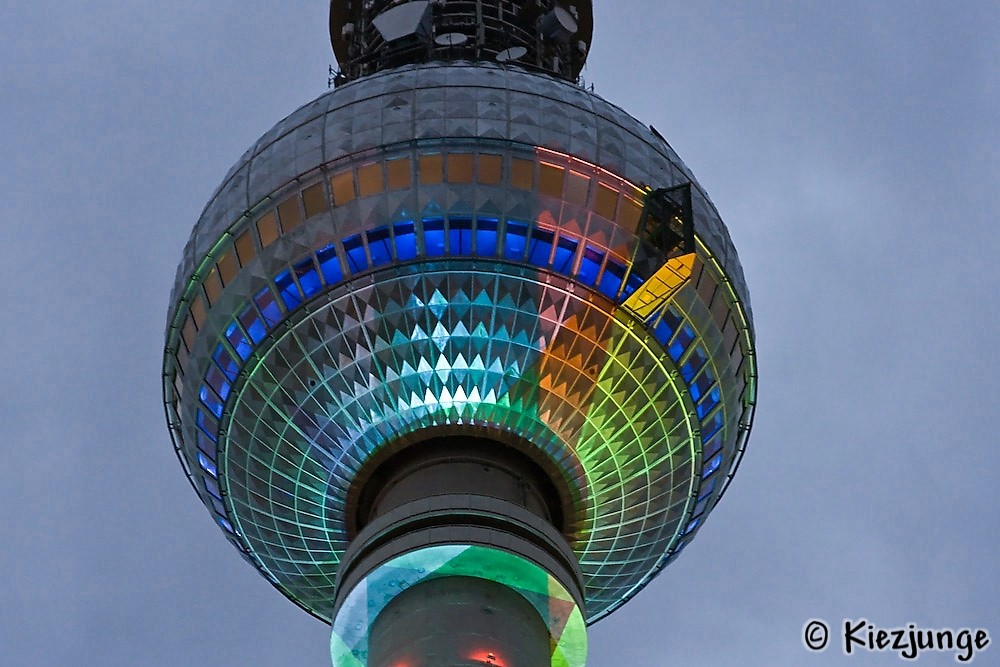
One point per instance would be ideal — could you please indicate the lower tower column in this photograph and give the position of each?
(459, 622)
(458, 563)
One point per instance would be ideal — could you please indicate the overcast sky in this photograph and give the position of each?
(853, 149)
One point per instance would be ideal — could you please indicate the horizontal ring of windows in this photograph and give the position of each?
(301, 281)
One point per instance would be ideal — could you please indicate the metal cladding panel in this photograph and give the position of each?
(444, 100)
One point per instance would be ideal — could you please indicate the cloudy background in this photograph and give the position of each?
(852, 147)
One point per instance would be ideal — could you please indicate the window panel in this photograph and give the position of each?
(207, 464)
(288, 290)
(206, 442)
(709, 402)
(217, 381)
(577, 188)
(629, 212)
(712, 426)
(227, 267)
(590, 265)
(522, 173)
(632, 283)
(702, 384)
(550, 179)
(370, 181)
(253, 324)
(712, 466)
(606, 201)
(663, 333)
(398, 171)
(712, 448)
(684, 337)
(540, 247)
(486, 237)
(611, 279)
(329, 264)
(490, 169)
(308, 277)
(267, 229)
(342, 185)
(238, 339)
(289, 213)
(355, 252)
(314, 200)
(565, 250)
(268, 307)
(431, 169)
(434, 241)
(212, 488)
(378, 246)
(406, 240)
(189, 332)
(460, 236)
(213, 286)
(210, 401)
(198, 310)
(515, 240)
(460, 167)
(245, 248)
(226, 363)
(706, 288)
(694, 363)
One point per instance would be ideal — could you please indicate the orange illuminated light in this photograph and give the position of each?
(487, 658)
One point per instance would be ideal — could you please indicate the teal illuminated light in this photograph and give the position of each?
(555, 605)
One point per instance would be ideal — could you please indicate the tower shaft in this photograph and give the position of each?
(458, 562)
(459, 622)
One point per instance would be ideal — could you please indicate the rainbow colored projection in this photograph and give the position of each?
(469, 281)
(549, 598)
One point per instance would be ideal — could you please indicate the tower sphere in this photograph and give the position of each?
(462, 265)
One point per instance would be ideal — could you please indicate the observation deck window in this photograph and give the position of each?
(314, 200)
(267, 229)
(406, 240)
(379, 246)
(434, 241)
(289, 213)
(329, 264)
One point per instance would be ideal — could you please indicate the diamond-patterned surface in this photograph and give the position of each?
(416, 350)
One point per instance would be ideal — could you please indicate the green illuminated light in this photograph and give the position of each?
(349, 639)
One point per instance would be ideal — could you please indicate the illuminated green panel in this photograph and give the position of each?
(568, 632)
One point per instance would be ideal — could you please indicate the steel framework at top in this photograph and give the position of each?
(551, 36)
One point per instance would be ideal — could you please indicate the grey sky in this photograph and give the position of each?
(852, 149)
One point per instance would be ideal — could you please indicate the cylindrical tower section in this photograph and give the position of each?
(457, 559)
(459, 621)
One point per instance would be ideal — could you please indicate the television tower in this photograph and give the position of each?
(459, 355)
